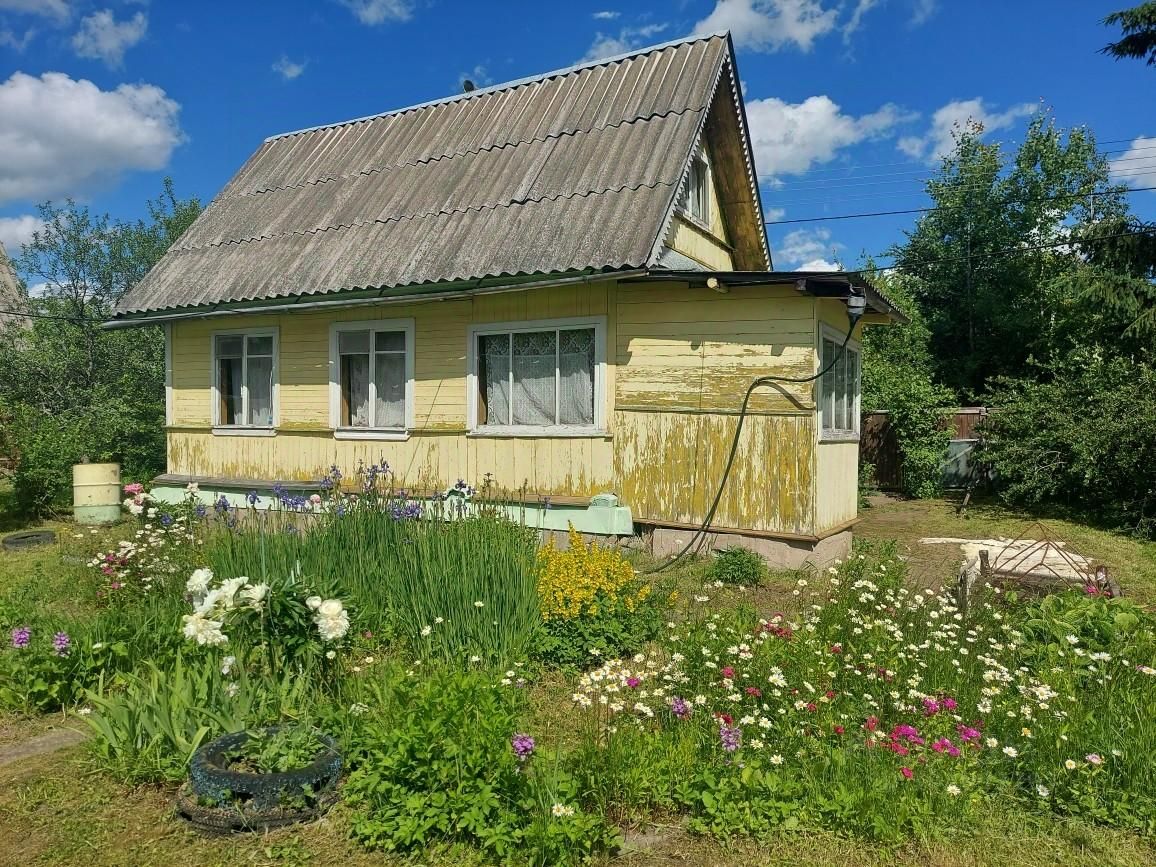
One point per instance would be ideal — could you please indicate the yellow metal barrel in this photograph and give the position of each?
(96, 493)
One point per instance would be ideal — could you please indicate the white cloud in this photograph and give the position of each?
(38, 290)
(772, 215)
(770, 25)
(17, 231)
(56, 9)
(790, 138)
(820, 265)
(376, 11)
(923, 10)
(628, 39)
(1136, 163)
(17, 43)
(806, 249)
(939, 140)
(856, 19)
(102, 37)
(61, 136)
(289, 69)
(606, 16)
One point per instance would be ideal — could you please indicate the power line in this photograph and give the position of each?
(1028, 249)
(836, 182)
(30, 315)
(937, 208)
(1128, 174)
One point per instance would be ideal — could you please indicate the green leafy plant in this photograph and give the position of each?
(277, 750)
(147, 725)
(738, 566)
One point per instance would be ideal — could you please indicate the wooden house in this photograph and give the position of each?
(562, 283)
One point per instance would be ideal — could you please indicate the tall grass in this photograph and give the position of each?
(455, 580)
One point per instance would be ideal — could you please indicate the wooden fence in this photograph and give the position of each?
(879, 446)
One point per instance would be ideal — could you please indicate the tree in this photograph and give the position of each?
(71, 389)
(984, 263)
(1138, 26)
(898, 377)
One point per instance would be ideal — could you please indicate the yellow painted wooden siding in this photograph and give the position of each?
(438, 453)
(679, 361)
(696, 349)
(837, 484)
(685, 359)
(668, 466)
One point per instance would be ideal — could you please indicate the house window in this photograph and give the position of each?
(371, 384)
(839, 387)
(244, 379)
(538, 377)
(696, 195)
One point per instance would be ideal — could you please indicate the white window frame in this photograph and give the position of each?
(341, 432)
(598, 323)
(220, 429)
(169, 374)
(827, 332)
(703, 220)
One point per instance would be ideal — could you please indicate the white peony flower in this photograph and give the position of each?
(227, 665)
(199, 581)
(330, 608)
(255, 594)
(313, 602)
(202, 630)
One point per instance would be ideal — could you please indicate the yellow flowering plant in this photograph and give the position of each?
(592, 603)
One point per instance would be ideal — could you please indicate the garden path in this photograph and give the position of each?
(50, 742)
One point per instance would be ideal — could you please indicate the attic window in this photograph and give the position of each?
(696, 194)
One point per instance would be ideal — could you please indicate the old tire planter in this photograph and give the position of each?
(28, 539)
(260, 807)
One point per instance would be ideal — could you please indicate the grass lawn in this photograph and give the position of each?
(57, 809)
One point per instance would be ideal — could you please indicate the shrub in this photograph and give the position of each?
(592, 603)
(440, 760)
(738, 566)
(1081, 438)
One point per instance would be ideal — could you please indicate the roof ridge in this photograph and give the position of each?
(425, 161)
(509, 85)
(489, 206)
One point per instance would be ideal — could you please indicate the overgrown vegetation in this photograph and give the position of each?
(70, 390)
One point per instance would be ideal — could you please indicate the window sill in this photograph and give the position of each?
(839, 437)
(244, 432)
(539, 432)
(398, 436)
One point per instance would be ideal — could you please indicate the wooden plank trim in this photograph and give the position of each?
(758, 534)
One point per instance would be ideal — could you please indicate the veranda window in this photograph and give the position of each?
(244, 365)
(538, 378)
(839, 388)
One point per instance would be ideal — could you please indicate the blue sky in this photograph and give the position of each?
(849, 101)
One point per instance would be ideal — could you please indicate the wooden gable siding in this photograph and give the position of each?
(710, 248)
(678, 363)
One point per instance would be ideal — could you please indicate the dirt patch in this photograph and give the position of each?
(50, 742)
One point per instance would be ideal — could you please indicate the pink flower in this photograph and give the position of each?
(948, 702)
(1094, 759)
(907, 773)
(967, 733)
(836, 648)
(633, 682)
(839, 730)
(754, 690)
(930, 707)
(812, 707)
(134, 488)
(871, 724)
(728, 673)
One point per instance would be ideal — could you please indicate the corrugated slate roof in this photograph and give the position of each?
(572, 171)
